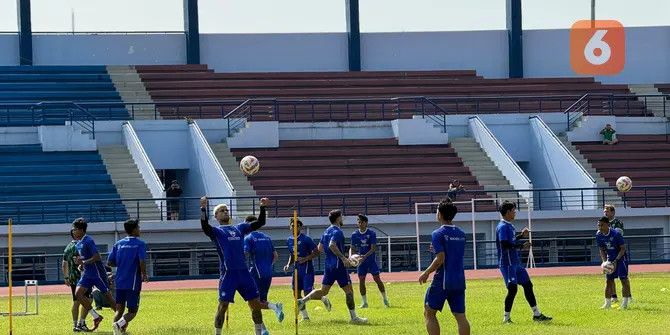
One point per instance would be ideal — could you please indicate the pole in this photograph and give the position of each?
(295, 268)
(593, 14)
(418, 246)
(474, 236)
(388, 251)
(9, 246)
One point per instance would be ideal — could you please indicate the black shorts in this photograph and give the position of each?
(74, 289)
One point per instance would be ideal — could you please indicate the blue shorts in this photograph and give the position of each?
(263, 284)
(98, 281)
(515, 274)
(621, 270)
(338, 274)
(436, 296)
(368, 266)
(129, 297)
(233, 281)
(305, 281)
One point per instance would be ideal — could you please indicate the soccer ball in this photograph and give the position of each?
(355, 260)
(607, 267)
(249, 165)
(624, 184)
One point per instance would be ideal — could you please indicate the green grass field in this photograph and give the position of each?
(574, 303)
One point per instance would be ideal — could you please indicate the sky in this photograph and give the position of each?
(282, 16)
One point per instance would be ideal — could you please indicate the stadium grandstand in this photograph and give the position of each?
(100, 125)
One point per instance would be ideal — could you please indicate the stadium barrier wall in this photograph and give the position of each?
(552, 165)
(19, 135)
(145, 167)
(417, 131)
(335, 130)
(64, 138)
(216, 182)
(500, 157)
(591, 125)
(263, 134)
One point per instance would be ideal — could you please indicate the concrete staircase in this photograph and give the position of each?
(240, 182)
(654, 104)
(482, 167)
(128, 83)
(610, 195)
(128, 181)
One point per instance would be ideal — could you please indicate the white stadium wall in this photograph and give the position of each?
(485, 51)
(546, 52)
(109, 49)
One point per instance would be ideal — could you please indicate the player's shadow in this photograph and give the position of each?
(345, 322)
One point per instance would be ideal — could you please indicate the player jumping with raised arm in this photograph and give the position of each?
(235, 277)
(332, 241)
(307, 250)
(508, 243)
(94, 273)
(448, 284)
(613, 248)
(128, 256)
(262, 255)
(364, 243)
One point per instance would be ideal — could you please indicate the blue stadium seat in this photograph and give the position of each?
(53, 185)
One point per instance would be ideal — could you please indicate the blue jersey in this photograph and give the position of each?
(126, 256)
(259, 246)
(229, 241)
(333, 234)
(305, 248)
(451, 241)
(611, 242)
(506, 232)
(364, 241)
(86, 248)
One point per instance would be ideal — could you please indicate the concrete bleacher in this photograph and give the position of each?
(24, 86)
(192, 83)
(643, 158)
(49, 184)
(358, 166)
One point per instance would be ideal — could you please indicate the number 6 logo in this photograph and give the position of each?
(597, 48)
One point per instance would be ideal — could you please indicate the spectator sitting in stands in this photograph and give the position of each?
(455, 188)
(174, 192)
(609, 135)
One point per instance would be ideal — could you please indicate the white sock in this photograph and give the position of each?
(352, 312)
(263, 326)
(365, 299)
(608, 301)
(75, 323)
(82, 321)
(384, 296)
(217, 331)
(272, 306)
(303, 313)
(323, 299)
(506, 316)
(122, 322)
(258, 328)
(536, 311)
(626, 300)
(94, 314)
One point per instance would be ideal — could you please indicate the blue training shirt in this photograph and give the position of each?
(259, 246)
(86, 248)
(333, 234)
(612, 243)
(505, 232)
(126, 256)
(305, 248)
(229, 241)
(364, 241)
(451, 241)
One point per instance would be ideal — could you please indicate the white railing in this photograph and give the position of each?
(143, 163)
(214, 178)
(500, 157)
(564, 169)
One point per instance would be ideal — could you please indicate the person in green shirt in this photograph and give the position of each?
(609, 136)
(71, 274)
